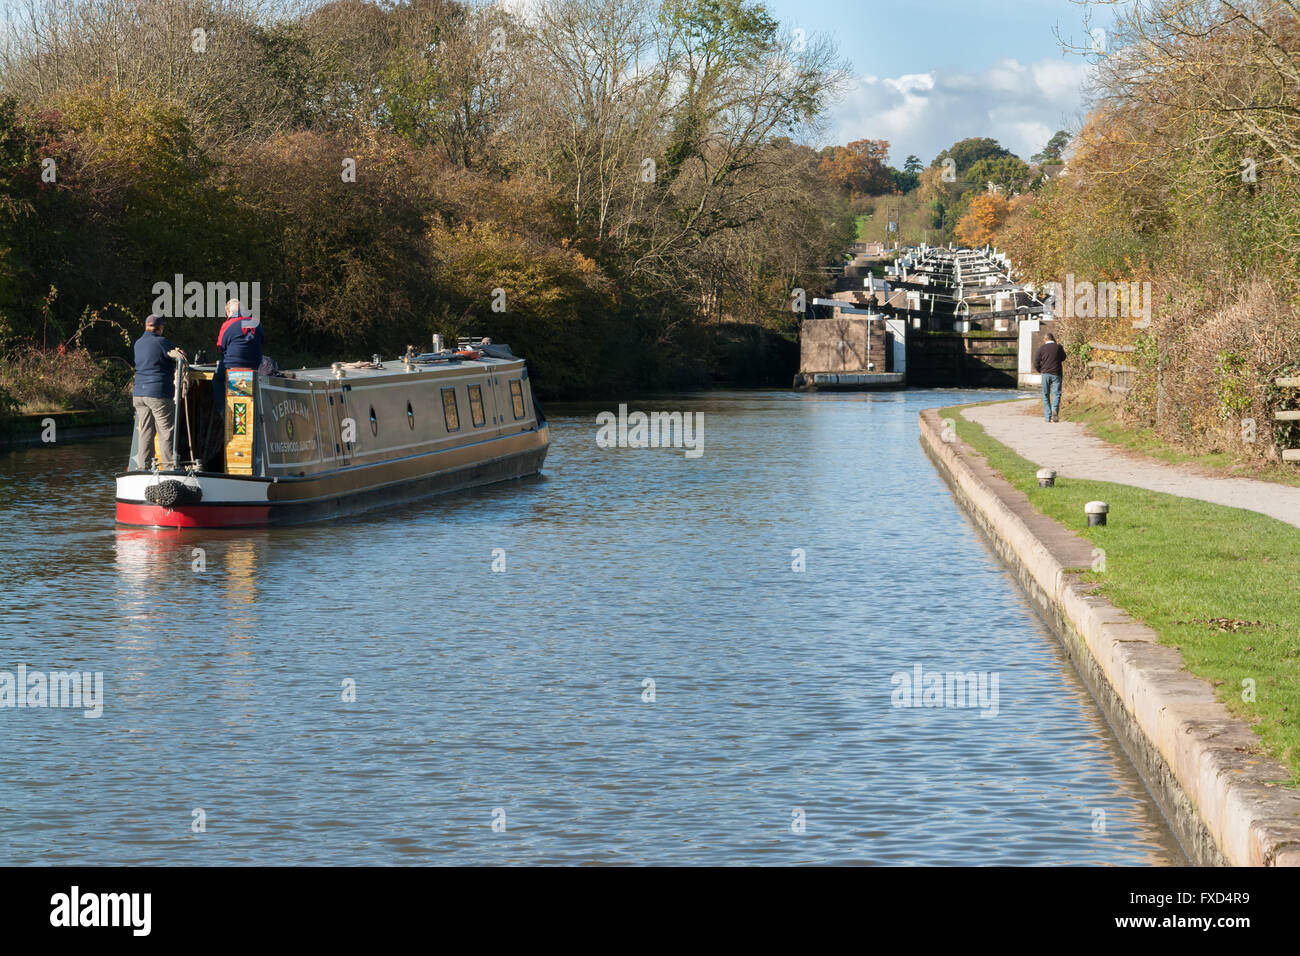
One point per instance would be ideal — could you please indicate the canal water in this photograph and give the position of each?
(676, 660)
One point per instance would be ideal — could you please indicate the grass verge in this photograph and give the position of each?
(1218, 583)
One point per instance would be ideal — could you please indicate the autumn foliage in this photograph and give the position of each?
(860, 168)
(387, 171)
(982, 221)
(1187, 176)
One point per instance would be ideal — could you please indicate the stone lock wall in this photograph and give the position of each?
(840, 344)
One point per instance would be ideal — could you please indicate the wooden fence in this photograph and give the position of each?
(1292, 415)
(1113, 377)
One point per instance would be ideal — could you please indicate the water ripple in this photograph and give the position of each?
(517, 697)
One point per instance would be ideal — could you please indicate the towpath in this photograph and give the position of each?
(1066, 447)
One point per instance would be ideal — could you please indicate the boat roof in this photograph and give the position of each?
(421, 363)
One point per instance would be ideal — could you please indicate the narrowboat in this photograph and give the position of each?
(252, 449)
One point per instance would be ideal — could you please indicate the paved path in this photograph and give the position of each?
(1066, 447)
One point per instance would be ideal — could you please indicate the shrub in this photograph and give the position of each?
(37, 381)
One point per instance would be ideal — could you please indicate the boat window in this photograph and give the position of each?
(517, 397)
(374, 422)
(476, 405)
(449, 412)
(410, 416)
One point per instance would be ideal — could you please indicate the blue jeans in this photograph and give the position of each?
(1051, 395)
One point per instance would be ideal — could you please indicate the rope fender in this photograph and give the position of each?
(169, 494)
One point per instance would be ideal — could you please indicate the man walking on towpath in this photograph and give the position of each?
(1048, 361)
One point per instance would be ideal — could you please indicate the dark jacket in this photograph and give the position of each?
(1049, 358)
(240, 342)
(155, 373)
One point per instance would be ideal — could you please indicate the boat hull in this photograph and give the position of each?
(250, 502)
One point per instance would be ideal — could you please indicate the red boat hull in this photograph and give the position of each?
(193, 516)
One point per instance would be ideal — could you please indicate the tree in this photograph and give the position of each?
(449, 80)
(630, 172)
(17, 190)
(913, 164)
(1186, 174)
(936, 214)
(1055, 147)
(982, 221)
(904, 182)
(54, 48)
(595, 118)
(1227, 71)
(860, 168)
(1009, 174)
(966, 153)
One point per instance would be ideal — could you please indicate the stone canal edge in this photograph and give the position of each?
(1203, 766)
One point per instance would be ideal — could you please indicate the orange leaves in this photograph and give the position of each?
(986, 216)
(860, 167)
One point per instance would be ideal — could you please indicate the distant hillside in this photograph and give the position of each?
(913, 220)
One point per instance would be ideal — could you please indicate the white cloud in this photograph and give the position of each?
(1020, 105)
(910, 82)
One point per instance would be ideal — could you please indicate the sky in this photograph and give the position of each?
(930, 72)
